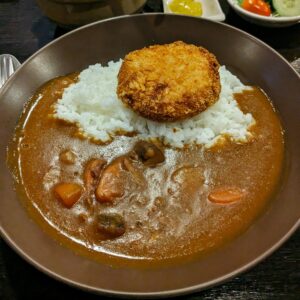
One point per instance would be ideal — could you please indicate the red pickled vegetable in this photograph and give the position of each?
(259, 7)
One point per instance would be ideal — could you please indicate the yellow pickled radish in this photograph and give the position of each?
(186, 7)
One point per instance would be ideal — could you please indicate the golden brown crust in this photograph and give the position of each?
(169, 82)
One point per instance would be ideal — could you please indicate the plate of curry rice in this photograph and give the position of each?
(138, 160)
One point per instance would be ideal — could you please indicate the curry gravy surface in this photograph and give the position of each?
(167, 212)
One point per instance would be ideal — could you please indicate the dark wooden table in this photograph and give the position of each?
(23, 30)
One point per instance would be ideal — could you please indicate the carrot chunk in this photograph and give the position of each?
(68, 193)
(226, 195)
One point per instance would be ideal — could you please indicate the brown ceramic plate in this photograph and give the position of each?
(249, 58)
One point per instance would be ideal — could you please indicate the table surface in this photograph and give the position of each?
(23, 30)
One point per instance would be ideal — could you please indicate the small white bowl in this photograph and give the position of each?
(263, 20)
(211, 9)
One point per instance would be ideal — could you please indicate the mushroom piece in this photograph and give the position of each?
(148, 153)
(111, 225)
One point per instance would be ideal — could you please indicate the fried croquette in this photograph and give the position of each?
(169, 82)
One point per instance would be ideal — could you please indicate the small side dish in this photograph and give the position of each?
(108, 181)
(269, 13)
(285, 8)
(209, 9)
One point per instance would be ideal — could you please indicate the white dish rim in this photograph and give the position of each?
(219, 16)
(279, 19)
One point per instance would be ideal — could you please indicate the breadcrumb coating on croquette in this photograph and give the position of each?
(169, 82)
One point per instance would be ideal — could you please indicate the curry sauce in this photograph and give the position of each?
(168, 210)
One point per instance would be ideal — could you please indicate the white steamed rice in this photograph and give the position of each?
(92, 104)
